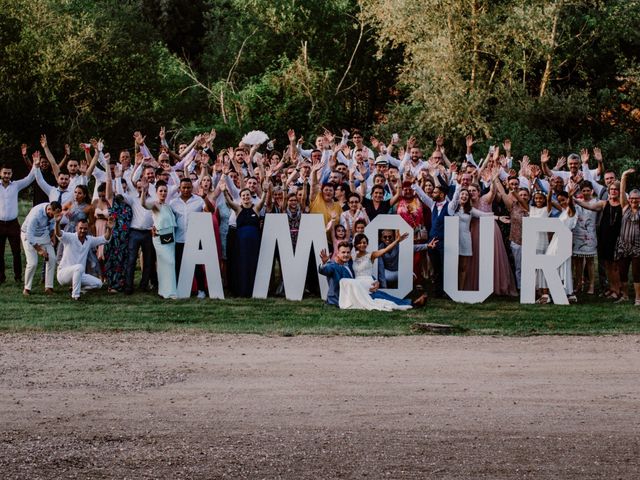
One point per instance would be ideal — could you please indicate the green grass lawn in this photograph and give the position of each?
(100, 311)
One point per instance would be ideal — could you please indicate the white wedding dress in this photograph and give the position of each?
(354, 292)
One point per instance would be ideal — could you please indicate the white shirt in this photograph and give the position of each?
(75, 251)
(37, 224)
(77, 180)
(9, 196)
(181, 210)
(414, 169)
(55, 194)
(141, 218)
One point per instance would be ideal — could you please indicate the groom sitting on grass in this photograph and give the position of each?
(336, 270)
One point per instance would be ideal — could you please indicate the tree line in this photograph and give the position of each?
(557, 74)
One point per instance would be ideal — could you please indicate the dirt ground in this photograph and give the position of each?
(220, 406)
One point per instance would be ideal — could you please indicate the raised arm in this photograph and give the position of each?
(109, 185)
(227, 197)
(623, 187)
(550, 202)
(596, 207)
(258, 206)
(45, 146)
(544, 163)
(388, 248)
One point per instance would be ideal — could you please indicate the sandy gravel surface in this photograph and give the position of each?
(219, 406)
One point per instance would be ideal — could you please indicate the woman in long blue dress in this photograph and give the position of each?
(247, 240)
(115, 251)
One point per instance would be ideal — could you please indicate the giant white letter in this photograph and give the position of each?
(405, 256)
(294, 264)
(531, 261)
(451, 251)
(200, 249)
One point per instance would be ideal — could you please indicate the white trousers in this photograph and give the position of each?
(31, 255)
(75, 276)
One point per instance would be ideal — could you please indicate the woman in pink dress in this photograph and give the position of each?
(503, 280)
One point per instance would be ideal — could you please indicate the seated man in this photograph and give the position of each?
(74, 259)
(336, 270)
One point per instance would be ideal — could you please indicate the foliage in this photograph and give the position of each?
(548, 73)
(69, 70)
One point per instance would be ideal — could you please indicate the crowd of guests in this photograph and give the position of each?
(96, 216)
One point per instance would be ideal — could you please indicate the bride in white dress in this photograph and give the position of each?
(570, 219)
(355, 293)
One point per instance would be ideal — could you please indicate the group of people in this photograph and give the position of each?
(95, 218)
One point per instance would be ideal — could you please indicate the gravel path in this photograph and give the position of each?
(221, 406)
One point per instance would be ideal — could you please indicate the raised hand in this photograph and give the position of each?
(411, 142)
(329, 137)
(23, 149)
(84, 166)
(628, 172)
(544, 156)
(584, 155)
(469, 142)
(324, 256)
(534, 170)
(162, 133)
(439, 141)
(525, 169)
(597, 154)
(291, 134)
(507, 145)
(562, 161)
(139, 139)
(36, 159)
(43, 140)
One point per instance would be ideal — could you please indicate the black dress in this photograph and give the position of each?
(608, 231)
(247, 250)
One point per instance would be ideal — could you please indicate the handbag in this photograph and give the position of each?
(166, 238)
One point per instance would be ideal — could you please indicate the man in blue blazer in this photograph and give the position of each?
(336, 270)
(439, 212)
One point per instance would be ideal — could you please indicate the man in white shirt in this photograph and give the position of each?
(61, 193)
(74, 259)
(9, 225)
(182, 206)
(36, 241)
(139, 236)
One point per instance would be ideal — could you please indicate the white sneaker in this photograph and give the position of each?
(201, 294)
